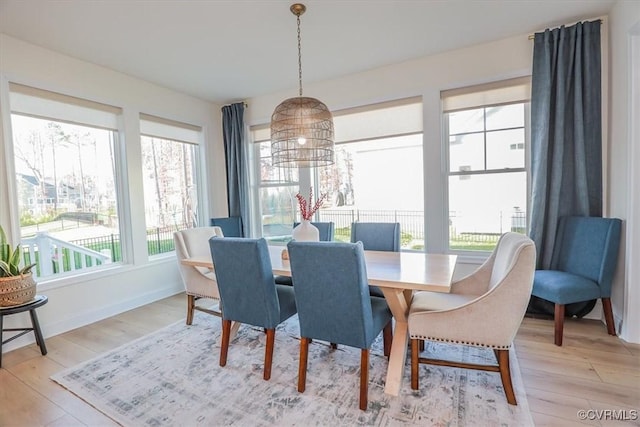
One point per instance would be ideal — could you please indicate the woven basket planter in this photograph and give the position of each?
(17, 290)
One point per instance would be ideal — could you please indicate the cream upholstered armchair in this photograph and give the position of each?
(199, 282)
(484, 309)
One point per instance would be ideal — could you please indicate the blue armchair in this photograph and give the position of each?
(377, 236)
(582, 266)
(231, 226)
(248, 293)
(334, 305)
(326, 231)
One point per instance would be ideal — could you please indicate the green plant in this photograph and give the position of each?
(10, 258)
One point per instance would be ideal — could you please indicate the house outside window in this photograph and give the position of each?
(169, 166)
(65, 158)
(486, 142)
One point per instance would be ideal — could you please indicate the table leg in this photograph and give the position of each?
(398, 300)
(234, 330)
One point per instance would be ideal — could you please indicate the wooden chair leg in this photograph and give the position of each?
(387, 338)
(302, 367)
(421, 345)
(268, 353)
(224, 347)
(191, 303)
(415, 349)
(334, 346)
(608, 316)
(559, 323)
(364, 379)
(505, 375)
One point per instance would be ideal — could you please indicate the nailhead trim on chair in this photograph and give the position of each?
(203, 296)
(476, 344)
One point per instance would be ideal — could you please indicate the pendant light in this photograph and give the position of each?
(301, 127)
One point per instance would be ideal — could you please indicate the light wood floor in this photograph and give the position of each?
(592, 370)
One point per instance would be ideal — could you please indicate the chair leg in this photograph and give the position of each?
(415, 349)
(364, 378)
(224, 347)
(268, 353)
(421, 346)
(334, 346)
(505, 375)
(387, 338)
(37, 331)
(608, 316)
(191, 303)
(559, 323)
(302, 367)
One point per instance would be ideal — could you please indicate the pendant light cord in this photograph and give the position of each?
(299, 58)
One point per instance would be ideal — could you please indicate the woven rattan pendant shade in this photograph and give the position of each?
(302, 119)
(301, 127)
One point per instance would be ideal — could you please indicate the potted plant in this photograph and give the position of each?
(16, 284)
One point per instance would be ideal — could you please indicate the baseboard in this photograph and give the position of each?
(85, 318)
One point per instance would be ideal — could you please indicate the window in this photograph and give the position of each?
(486, 139)
(65, 161)
(276, 189)
(169, 159)
(377, 175)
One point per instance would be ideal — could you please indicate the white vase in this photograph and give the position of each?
(306, 232)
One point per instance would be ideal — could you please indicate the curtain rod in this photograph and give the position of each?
(533, 36)
(243, 103)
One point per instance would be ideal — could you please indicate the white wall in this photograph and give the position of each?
(85, 299)
(482, 63)
(624, 146)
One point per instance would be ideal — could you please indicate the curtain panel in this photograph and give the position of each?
(236, 161)
(566, 131)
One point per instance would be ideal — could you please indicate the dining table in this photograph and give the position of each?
(398, 275)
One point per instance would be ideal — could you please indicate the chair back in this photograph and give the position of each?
(245, 280)
(325, 229)
(510, 285)
(194, 242)
(332, 293)
(377, 236)
(588, 247)
(231, 226)
(509, 255)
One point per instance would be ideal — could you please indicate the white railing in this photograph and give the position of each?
(50, 253)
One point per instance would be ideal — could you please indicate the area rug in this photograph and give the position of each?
(172, 378)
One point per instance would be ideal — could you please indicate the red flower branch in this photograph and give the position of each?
(306, 209)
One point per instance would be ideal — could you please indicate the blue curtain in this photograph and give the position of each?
(566, 130)
(236, 160)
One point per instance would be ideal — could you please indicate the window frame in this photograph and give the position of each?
(154, 127)
(477, 256)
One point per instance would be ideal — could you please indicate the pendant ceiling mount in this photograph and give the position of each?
(301, 127)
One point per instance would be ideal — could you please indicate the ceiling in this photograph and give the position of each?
(226, 51)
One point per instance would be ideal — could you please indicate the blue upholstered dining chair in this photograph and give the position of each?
(326, 231)
(248, 293)
(334, 304)
(377, 236)
(583, 262)
(231, 226)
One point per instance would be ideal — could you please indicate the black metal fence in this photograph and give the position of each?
(159, 240)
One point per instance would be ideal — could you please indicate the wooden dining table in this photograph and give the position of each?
(398, 275)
